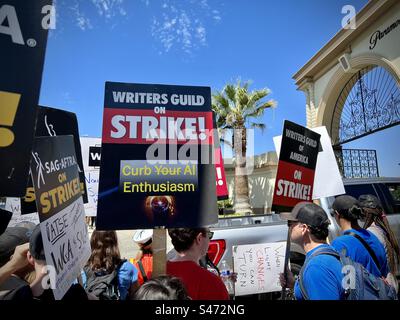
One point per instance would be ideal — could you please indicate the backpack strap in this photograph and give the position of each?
(326, 251)
(141, 268)
(365, 244)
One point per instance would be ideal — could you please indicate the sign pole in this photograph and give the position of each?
(285, 270)
(159, 251)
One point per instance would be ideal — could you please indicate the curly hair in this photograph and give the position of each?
(183, 238)
(105, 252)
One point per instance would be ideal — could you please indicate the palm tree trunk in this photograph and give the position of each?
(242, 201)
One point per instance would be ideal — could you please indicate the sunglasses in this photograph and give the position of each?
(209, 234)
(292, 223)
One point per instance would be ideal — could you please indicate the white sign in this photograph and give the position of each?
(66, 245)
(327, 181)
(258, 267)
(86, 144)
(92, 184)
(14, 205)
(91, 173)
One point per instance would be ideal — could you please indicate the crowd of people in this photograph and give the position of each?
(372, 248)
(107, 276)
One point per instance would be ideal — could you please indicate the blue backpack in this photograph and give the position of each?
(362, 285)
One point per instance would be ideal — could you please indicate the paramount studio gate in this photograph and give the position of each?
(352, 85)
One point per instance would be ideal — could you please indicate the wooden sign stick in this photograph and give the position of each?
(159, 251)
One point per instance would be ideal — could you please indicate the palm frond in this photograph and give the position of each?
(258, 110)
(260, 126)
(220, 102)
(230, 92)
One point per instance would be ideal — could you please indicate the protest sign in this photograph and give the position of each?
(14, 205)
(55, 122)
(91, 154)
(60, 206)
(156, 158)
(327, 181)
(258, 267)
(296, 167)
(222, 188)
(23, 37)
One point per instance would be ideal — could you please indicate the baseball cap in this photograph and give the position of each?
(344, 203)
(369, 201)
(143, 236)
(308, 213)
(11, 238)
(36, 244)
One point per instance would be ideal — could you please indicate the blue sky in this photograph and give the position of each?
(188, 42)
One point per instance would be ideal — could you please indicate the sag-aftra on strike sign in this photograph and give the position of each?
(157, 157)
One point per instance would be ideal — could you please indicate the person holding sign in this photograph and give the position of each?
(191, 245)
(106, 275)
(322, 277)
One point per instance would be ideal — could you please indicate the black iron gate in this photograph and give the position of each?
(369, 102)
(357, 163)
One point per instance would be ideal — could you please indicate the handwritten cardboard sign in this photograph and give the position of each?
(60, 206)
(258, 267)
(91, 154)
(14, 205)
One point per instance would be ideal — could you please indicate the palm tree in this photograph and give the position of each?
(235, 108)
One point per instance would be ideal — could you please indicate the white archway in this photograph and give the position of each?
(339, 79)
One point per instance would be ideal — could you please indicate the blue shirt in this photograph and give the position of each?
(322, 277)
(127, 275)
(356, 251)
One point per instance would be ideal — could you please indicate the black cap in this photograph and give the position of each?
(10, 239)
(369, 201)
(344, 203)
(308, 213)
(36, 244)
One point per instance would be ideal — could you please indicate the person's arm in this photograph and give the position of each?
(17, 261)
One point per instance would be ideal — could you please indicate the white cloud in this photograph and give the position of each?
(67, 98)
(216, 15)
(181, 25)
(201, 35)
(109, 8)
(81, 21)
